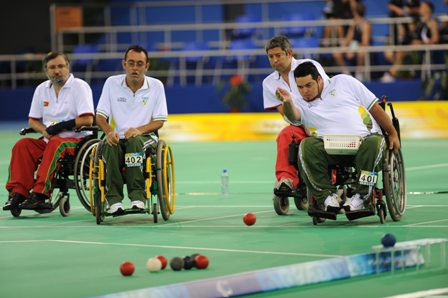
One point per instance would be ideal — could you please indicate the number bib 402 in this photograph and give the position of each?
(368, 178)
(133, 159)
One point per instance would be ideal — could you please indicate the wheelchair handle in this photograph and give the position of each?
(26, 130)
(89, 127)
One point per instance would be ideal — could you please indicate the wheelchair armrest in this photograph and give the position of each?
(26, 130)
(89, 128)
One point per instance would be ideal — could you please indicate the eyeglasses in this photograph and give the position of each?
(60, 66)
(139, 64)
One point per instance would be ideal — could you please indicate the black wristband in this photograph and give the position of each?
(57, 128)
(68, 125)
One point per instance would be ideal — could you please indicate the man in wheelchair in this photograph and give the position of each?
(337, 105)
(59, 104)
(135, 106)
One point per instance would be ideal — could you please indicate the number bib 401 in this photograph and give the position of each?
(368, 178)
(133, 159)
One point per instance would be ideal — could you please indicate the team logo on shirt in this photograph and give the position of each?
(46, 103)
(121, 99)
(145, 101)
(332, 93)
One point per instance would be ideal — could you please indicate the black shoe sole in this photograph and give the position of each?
(119, 212)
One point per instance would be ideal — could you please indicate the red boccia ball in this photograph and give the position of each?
(201, 262)
(163, 260)
(249, 219)
(127, 268)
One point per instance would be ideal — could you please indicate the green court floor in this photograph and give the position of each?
(53, 256)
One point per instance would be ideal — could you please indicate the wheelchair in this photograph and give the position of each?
(344, 176)
(281, 197)
(158, 171)
(71, 173)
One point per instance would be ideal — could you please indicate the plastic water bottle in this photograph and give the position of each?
(225, 184)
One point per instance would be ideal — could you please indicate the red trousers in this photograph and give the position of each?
(283, 169)
(25, 161)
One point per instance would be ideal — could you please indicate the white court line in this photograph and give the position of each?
(426, 167)
(426, 222)
(177, 247)
(428, 293)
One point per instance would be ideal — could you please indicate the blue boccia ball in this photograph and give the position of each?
(388, 240)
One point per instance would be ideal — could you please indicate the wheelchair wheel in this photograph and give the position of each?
(95, 188)
(165, 179)
(281, 205)
(64, 206)
(317, 220)
(301, 203)
(99, 216)
(382, 216)
(394, 184)
(81, 174)
(155, 212)
(16, 212)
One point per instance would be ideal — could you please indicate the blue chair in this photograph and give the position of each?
(239, 62)
(298, 31)
(245, 32)
(241, 44)
(85, 64)
(305, 43)
(196, 63)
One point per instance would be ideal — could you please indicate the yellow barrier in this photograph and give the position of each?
(417, 120)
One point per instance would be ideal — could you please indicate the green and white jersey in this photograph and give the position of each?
(126, 109)
(343, 109)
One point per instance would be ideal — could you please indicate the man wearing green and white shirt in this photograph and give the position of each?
(131, 109)
(337, 105)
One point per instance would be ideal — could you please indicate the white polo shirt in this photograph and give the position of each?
(74, 100)
(126, 109)
(274, 80)
(343, 109)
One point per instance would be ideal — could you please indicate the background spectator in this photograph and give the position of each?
(423, 30)
(359, 34)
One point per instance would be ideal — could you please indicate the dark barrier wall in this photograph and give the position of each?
(15, 104)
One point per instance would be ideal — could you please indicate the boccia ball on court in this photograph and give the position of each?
(127, 268)
(388, 240)
(153, 264)
(177, 263)
(163, 260)
(188, 262)
(201, 262)
(249, 218)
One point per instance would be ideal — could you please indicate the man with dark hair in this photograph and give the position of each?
(279, 52)
(340, 105)
(131, 109)
(59, 104)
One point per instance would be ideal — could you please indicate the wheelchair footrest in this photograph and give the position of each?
(368, 211)
(289, 194)
(316, 212)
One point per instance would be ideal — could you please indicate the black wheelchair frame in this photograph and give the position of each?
(68, 175)
(344, 176)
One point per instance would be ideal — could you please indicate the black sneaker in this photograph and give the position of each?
(35, 201)
(13, 201)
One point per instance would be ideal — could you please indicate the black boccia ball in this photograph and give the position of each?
(177, 263)
(188, 262)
